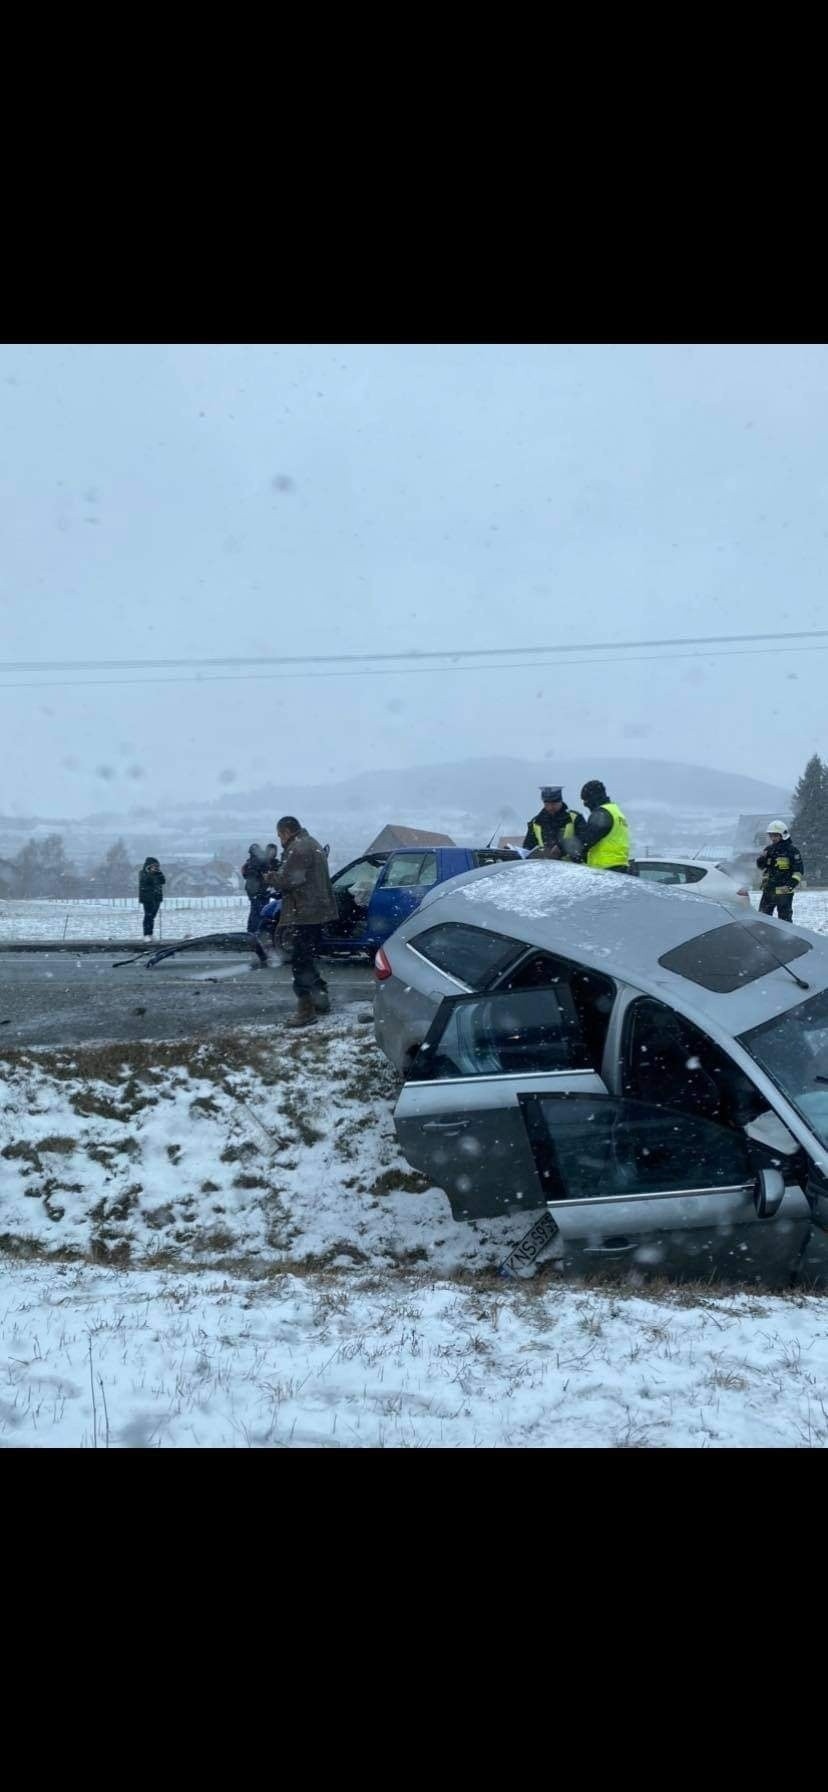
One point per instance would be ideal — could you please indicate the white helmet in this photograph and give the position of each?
(777, 827)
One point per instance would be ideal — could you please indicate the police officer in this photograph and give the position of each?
(782, 872)
(552, 824)
(602, 842)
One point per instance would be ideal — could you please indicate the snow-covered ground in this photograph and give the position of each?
(218, 1243)
(184, 917)
(101, 1358)
(810, 909)
(245, 1148)
(179, 918)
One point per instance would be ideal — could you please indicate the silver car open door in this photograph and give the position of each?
(460, 1120)
(625, 1177)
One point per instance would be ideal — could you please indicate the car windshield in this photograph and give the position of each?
(793, 1049)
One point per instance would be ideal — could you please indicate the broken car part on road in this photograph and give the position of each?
(222, 941)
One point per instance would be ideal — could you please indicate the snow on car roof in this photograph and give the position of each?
(540, 889)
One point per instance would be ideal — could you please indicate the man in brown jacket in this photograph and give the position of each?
(308, 902)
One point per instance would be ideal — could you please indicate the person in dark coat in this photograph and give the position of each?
(308, 902)
(782, 872)
(151, 883)
(603, 842)
(253, 871)
(547, 828)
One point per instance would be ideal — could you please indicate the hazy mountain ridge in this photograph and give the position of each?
(515, 783)
(672, 806)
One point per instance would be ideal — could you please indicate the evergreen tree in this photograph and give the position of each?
(810, 821)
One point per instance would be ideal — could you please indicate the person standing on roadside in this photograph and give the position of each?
(308, 902)
(552, 823)
(151, 881)
(253, 871)
(782, 872)
(602, 842)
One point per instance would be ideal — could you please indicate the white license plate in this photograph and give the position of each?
(530, 1247)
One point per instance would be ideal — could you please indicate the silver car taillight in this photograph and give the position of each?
(382, 968)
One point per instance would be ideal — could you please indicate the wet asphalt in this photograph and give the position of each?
(58, 997)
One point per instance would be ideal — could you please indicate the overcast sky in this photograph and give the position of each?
(211, 500)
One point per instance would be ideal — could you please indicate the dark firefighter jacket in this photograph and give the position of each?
(781, 866)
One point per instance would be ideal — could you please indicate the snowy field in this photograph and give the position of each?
(185, 917)
(179, 918)
(810, 909)
(96, 1358)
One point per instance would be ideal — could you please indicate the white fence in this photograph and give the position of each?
(118, 918)
(119, 902)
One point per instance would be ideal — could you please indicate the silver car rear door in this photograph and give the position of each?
(460, 1119)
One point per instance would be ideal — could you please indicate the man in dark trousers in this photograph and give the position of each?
(547, 829)
(151, 883)
(782, 872)
(308, 902)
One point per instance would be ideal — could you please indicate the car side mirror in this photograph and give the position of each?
(769, 1193)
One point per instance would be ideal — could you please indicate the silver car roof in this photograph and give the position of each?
(613, 923)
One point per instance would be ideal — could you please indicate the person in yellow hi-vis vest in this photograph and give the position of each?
(552, 824)
(603, 841)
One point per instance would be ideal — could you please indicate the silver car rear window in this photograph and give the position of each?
(471, 954)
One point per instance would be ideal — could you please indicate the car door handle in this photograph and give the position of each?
(448, 1126)
(609, 1250)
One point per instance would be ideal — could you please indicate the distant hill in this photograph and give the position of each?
(474, 784)
(672, 807)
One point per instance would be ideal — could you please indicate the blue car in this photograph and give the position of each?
(376, 893)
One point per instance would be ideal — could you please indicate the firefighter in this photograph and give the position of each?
(602, 842)
(782, 872)
(552, 824)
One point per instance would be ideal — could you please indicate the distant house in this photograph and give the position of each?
(752, 830)
(200, 880)
(393, 836)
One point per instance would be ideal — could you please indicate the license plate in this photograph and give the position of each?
(530, 1247)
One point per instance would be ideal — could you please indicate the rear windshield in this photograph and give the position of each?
(472, 954)
(728, 957)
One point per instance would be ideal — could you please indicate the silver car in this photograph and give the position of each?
(648, 1070)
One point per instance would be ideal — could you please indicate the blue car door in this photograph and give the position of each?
(400, 889)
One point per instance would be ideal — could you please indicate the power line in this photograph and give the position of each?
(410, 654)
(397, 671)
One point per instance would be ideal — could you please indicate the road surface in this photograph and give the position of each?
(70, 998)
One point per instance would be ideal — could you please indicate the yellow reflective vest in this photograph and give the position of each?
(614, 847)
(566, 832)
